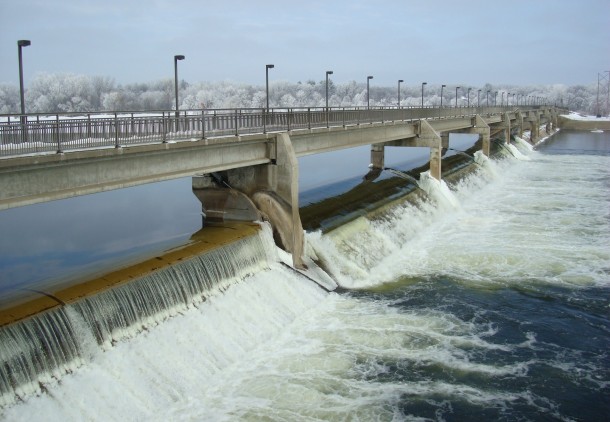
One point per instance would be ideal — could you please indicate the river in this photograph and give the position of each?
(489, 299)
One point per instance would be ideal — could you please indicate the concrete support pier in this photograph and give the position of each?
(268, 191)
(482, 129)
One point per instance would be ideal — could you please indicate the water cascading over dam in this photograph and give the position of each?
(44, 347)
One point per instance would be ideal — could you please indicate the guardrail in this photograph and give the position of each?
(38, 133)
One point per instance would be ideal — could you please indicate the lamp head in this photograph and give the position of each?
(24, 43)
(179, 57)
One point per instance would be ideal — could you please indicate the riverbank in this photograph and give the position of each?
(575, 121)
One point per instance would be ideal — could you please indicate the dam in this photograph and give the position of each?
(411, 328)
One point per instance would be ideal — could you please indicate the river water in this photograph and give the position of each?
(488, 300)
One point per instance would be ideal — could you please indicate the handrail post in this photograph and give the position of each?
(236, 125)
(164, 121)
(57, 138)
(308, 117)
(202, 124)
(116, 130)
(264, 120)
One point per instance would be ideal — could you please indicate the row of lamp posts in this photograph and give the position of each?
(25, 43)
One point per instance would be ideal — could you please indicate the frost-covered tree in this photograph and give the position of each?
(9, 99)
(49, 93)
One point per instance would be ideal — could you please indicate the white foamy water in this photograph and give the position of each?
(546, 212)
(276, 347)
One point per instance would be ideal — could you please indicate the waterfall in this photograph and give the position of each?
(40, 349)
(438, 189)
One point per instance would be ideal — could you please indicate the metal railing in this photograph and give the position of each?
(39, 133)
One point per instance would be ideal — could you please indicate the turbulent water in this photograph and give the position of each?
(489, 300)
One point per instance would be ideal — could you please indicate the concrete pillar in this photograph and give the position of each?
(534, 121)
(480, 127)
(281, 205)
(274, 189)
(506, 120)
(519, 119)
(378, 156)
(445, 139)
(428, 135)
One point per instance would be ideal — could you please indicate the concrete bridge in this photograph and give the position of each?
(254, 152)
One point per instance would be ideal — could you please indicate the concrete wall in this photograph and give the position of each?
(572, 124)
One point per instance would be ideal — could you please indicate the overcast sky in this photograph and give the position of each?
(439, 41)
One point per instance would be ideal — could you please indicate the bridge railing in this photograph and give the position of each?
(37, 133)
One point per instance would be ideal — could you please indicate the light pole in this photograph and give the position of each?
(442, 86)
(176, 58)
(468, 100)
(328, 72)
(20, 44)
(368, 97)
(422, 93)
(399, 81)
(495, 98)
(267, 67)
(456, 90)
(502, 100)
(478, 98)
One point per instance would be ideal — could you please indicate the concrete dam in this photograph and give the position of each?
(240, 179)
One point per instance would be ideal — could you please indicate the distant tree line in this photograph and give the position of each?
(56, 93)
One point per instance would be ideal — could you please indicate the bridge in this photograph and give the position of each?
(253, 151)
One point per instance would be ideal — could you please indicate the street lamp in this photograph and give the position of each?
(176, 58)
(422, 93)
(478, 98)
(368, 78)
(20, 44)
(399, 81)
(267, 67)
(468, 100)
(442, 86)
(328, 72)
(456, 90)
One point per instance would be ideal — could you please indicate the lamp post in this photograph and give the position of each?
(368, 96)
(176, 58)
(468, 99)
(328, 72)
(267, 67)
(399, 81)
(20, 44)
(495, 98)
(422, 93)
(478, 98)
(502, 100)
(442, 86)
(456, 91)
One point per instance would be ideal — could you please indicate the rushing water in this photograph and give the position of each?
(490, 300)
